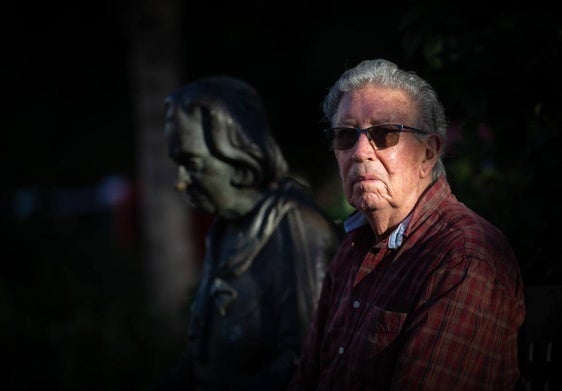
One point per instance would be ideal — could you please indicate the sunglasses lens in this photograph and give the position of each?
(384, 137)
(344, 138)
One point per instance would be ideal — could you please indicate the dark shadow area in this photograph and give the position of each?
(540, 341)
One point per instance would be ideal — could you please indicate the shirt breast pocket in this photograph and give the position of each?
(382, 328)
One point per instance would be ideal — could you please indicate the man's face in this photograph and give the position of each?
(377, 179)
(205, 178)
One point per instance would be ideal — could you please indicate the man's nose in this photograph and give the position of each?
(183, 179)
(363, 148)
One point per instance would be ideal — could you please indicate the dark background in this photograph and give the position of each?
(73, 305)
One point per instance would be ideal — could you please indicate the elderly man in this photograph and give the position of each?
(423, 294)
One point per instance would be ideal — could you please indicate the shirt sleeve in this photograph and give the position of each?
(462, 333)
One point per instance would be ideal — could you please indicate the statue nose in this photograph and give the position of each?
(183, 179)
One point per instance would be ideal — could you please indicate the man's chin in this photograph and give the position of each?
(370, 203)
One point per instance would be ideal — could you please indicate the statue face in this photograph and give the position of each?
(205, 180)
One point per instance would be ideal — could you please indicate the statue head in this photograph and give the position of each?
(218, 134)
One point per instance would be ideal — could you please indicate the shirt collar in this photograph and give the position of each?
(395, 239)
(354, 221)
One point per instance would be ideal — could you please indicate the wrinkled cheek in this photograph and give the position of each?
(346, 184)
(349, 192)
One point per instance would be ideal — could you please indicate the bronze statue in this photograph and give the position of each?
(266, 250)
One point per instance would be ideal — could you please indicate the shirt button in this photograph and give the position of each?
(341, 350)
(356, 304)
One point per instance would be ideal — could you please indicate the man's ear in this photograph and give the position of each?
(433, 147)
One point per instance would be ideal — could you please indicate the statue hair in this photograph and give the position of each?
(236, 128)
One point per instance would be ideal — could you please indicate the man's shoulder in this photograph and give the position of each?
(457, 217)
(472, 237)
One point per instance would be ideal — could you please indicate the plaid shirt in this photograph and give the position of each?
(440, 311)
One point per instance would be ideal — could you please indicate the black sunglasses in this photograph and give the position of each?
(383, 136)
